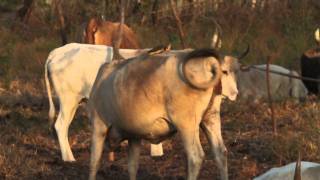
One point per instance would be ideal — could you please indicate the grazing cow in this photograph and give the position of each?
(310, 66)
(72, 70)
(309, 171)
(106, 32)
(152, 97)
(252, 84)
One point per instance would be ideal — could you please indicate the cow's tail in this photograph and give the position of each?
(51, 105)
(215, 69)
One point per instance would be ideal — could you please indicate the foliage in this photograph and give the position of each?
(280, 29)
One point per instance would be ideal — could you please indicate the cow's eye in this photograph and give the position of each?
(225, 72)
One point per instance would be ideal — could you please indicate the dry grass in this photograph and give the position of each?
(29, 151)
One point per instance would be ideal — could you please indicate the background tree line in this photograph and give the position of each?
(30, 29)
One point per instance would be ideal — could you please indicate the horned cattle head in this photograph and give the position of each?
(216, 42)
(202, 69)
(229, 67)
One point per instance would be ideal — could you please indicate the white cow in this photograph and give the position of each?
(181, 91)
(72, 70)
(252, 84)
(309, 171)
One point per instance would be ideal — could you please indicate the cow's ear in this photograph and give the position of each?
(95, 24)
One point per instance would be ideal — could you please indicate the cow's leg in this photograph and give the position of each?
(98, 137)
(68, 106)
(133, 158)
(156, 149)
(212, 130)
(193, 148)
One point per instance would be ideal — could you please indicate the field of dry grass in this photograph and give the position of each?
(29, 151)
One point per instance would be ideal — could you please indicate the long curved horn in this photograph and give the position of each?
(297, 172)
(245, 52)
(216, 39)
(317, 36)
(198, 54)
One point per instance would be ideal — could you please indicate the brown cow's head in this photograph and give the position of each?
(103, 32)
(91, 29)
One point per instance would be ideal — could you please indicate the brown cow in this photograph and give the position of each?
(105, 33)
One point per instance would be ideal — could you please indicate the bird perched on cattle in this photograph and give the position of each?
(253, 87)
(310, 66)
(159, 49)
(152, 97)
(103, 32)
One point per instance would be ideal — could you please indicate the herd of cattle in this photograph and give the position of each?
(148, 95)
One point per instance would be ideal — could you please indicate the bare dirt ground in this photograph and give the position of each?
(29, 151)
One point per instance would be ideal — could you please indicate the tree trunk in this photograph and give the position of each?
(117, 41)
(61, 20)
(24, 12)
(178, 22)
(104, 10)
(154, 13)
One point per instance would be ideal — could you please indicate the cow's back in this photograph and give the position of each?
(253, 84)
(73, 67)
(287, 172)
(280, 85)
